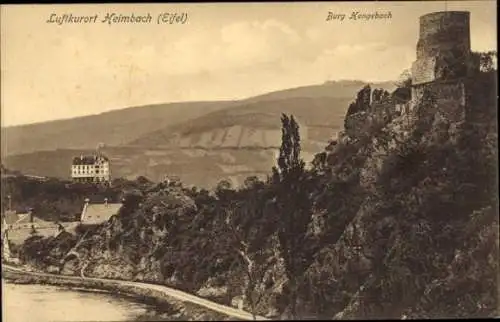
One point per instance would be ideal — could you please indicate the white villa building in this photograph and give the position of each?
(91, 169)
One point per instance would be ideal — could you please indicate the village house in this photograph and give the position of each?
(95, 214)
(21, 226)
(17, 227)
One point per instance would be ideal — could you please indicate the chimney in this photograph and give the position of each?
(84, 210)
(106, 202)
(31, 215)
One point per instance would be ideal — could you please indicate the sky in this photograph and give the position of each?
(224, 51)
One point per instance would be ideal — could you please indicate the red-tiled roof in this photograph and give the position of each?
(99, 213)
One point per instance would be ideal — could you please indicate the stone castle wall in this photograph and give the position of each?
(450, 98)
(424, 70)
(443, 51)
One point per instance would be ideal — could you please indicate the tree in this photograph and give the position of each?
(293, 205)
(484, 61)
(142, 180)
(224, 190)
(252, 182)
(289, 155)
(319, 161)
(223, 185)
(487, 61)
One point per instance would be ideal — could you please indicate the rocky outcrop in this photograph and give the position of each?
(402, 223)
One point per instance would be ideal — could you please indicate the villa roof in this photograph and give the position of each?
(98, 213)
(88, 159)
(25, 219)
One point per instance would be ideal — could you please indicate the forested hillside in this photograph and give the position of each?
(396, 219)
(58, 200)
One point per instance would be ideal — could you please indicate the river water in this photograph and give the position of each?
(39, 303)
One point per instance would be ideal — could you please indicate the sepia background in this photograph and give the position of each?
(252, 61)
(264, 160)
(224, 52)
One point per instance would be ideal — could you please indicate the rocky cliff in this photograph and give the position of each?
(402, 222)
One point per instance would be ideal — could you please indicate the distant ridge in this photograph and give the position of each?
(112, 127)
(228, 139)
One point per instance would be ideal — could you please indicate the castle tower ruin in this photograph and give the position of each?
(443, 47)
(443, 61)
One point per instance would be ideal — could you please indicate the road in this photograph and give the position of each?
(167, 291)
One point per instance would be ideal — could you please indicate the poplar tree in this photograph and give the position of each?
(293, 205)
